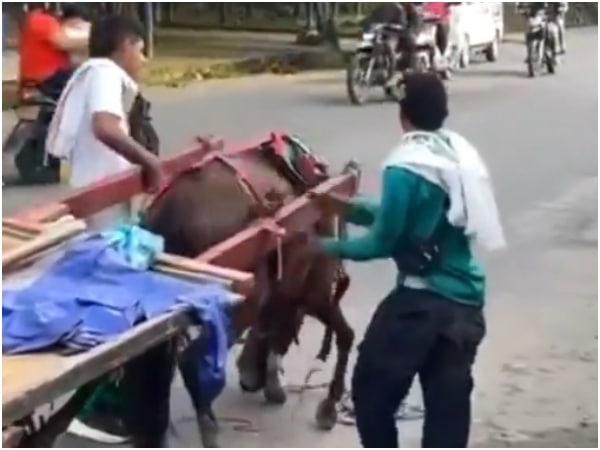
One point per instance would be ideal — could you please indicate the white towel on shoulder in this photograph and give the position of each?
(66, 123)
(448, 160)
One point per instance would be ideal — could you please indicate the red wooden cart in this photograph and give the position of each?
(31, 381)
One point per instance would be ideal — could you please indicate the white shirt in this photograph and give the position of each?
(91, 160)
(98, 85)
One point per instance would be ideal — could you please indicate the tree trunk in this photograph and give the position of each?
(222, 13)
(311, 19)
(329, 30)
(149, 29)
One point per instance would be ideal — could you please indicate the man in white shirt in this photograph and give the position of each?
(90, 132)
(90, 126)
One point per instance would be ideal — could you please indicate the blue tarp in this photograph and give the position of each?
(99, 288)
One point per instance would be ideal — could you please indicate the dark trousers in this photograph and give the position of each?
(146, 390)
(415, 332)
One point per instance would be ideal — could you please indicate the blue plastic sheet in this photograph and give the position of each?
(99, 289)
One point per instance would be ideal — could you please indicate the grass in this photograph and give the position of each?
(184, 56)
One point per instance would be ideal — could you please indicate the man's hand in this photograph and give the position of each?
(153, 177)
(330, 204)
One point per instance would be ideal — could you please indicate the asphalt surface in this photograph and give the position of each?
(540, 140)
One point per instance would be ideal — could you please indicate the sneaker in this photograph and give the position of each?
(103, 428)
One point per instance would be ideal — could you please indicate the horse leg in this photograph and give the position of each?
(280, 339)
(274, 387)
(283, 318)
(326, 415)
(252, 360)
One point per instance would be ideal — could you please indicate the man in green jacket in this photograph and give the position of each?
(431, 323)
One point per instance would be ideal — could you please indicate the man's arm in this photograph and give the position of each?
(389, 223)
(361, 211)
(49, 29)
(106, 107)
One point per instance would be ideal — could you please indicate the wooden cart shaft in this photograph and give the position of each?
(238, 253)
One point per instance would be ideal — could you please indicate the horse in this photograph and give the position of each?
(222, 196)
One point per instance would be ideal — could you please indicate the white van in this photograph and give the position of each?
(476, 27)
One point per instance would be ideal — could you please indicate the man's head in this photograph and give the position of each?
(120, 39)
(74, 11)
(424, 105)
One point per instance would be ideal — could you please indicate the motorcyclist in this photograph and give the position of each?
(404, 14)
(556, 12)
(45, 47)
(440, 10)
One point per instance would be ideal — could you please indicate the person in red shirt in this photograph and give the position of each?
(441, 10)
(44, 46)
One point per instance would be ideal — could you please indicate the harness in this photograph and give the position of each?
(288, 155)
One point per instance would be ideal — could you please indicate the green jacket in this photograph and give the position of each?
(411, 207)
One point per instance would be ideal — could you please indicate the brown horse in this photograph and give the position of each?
(221, 197)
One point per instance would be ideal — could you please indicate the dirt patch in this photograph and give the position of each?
(537, 377)
(584, 436)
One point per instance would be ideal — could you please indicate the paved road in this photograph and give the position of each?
(540, 140)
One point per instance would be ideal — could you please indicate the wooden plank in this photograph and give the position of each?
(54, 236)
(111, 191)
(23, 226)
(29, 381)
(9, 243)
(241, 282)
(240, 251)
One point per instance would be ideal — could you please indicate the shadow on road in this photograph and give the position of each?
(494, 73)
(341, 100)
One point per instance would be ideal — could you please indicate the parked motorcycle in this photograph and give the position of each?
(541, 40)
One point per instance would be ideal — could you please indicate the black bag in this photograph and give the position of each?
(140, 124)
(419, 258)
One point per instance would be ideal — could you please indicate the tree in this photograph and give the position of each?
(148, 21)
(320, 24)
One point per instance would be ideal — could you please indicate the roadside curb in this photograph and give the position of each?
(282, 63)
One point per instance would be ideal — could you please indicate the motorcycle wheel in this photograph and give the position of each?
(532, 59)
(354, 73)
(491, 53)
(550, 58)
(18, 137)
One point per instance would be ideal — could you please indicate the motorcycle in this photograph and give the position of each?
(373, 63)
(541, 40)
(26, 141)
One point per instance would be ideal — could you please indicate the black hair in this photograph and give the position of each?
(108, 32)
(74, 11)
(425, 101)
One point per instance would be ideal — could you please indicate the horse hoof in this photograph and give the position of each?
(274, 393)
(250, 381)
(327, 415)
(250, 389)
(209, 431)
